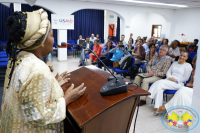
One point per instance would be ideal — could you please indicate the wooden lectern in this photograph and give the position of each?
(93, 113)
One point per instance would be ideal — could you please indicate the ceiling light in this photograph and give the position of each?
(153, 3)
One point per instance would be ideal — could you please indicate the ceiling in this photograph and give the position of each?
(189, 3)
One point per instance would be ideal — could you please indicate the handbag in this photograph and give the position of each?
(116, 64)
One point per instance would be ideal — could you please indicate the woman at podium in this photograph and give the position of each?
(33, 100)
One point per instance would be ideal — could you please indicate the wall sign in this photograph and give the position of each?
(62, 22)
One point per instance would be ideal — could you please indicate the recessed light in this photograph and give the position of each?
(153, 3)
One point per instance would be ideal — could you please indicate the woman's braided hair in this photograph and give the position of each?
(16, 27)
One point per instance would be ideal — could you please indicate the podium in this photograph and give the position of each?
(94, 113)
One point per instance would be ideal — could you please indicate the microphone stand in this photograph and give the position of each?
(104, 65)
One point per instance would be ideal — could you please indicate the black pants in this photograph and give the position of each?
(107, 62)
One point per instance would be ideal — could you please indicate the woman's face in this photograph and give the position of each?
(183, 56)
(97, 36)
(48, 43)
(95, 43)
(80, 37)
(130, 42)
(165, 42)
(152, 48)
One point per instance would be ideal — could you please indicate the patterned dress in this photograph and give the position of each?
(34, 101)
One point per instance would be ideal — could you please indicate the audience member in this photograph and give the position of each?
(183, 48)
(152, 38)
(193, 47)
(157, 69)
(122, 39)
(183, 97)
(138, 38)
(190, 84)
(105, 53)
(146, 45)
(129, 46)
(97, 50)
(97, 36)
(109, 39)
(177, 75)
(149, 55)
(85, 46)
(155, 41)
(160, 43)
(118, 53)
(131, 37)
(139, 52)
(144, 39)
(92, 38)
(80, 38)
(166, 41)
(174, 50)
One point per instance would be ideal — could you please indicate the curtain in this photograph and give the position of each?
(118, 30)
(5, 12)
(86, 22)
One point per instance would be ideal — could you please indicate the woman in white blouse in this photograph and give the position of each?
(177, 75)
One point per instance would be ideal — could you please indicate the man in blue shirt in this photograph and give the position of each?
(161, 42)
(146, 45)
(118, 53)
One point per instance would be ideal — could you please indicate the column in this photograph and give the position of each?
(17, 7)
(62, 52)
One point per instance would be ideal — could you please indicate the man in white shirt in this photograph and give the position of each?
(123, 41)
(146, 45)
(92, 38)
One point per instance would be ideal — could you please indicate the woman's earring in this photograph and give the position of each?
(42, 45)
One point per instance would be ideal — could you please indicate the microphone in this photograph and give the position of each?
(104, 65)
(115, 85)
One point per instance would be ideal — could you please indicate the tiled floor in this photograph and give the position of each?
(146, 121)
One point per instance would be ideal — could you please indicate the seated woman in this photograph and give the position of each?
(105, 53)
(149, 55)
(97, 50)
(139, 52)
(182, 97)
(190, 84)
(174, 50)
(129, 46)
(177, 75)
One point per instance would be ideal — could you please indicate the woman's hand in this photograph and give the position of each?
(172, 79)
(63, 78)
(73, 94)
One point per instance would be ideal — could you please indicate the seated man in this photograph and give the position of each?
(174, 50)
(118, 53)
(146, 45)
(92, 38)
(161, 42)
(156, 68)
(193, 47)
(87, 44)
(80, 38)
(139, 52)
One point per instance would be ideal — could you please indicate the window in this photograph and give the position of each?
(156, 31)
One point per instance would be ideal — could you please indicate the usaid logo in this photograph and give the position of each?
(65, 21)
(55, 21)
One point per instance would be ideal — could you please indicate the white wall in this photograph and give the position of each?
(186, 21)
(141, 25)
(108, 21)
